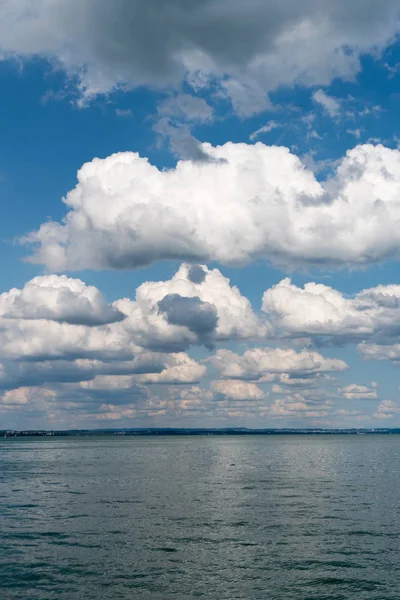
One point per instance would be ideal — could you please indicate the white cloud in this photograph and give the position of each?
(178, 368)
(123, 112)
(387, 409)
(35, 371)
(247, 201)
(60, 318)
(257, 363)
(41, 340)
(248, 49)
(197, 306)
(297, 407)
(58, 298)
(330, 104)
(22, 396)
(355, 132)
(389, 352)
(237, 390)
(322, 311)
(145, 368)
(194, 400)
(264, 129)
(358, 392)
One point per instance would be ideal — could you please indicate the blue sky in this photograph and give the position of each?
(207, 100)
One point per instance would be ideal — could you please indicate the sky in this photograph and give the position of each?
(200, 214)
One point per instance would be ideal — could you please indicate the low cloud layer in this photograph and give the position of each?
(59, 329)
(260, 363)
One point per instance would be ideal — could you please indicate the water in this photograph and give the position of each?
(274, 518)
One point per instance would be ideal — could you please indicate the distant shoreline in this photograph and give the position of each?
(153, 432)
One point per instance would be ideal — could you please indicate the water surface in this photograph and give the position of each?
(271, 518)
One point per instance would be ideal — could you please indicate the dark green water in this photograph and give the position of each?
(221, 518)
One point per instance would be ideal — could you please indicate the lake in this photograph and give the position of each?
(238, 517)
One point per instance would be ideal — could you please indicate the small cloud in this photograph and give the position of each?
(393, 69)
(358, 392)
(330, 104)
(355, 132)
(184, 107)
(264, 129)
(123, 112)
(387, 409)
(313, 134)
(176, 116)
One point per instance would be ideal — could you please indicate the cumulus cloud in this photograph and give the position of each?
(58, 298)
(41, 340)
(193, 401)
(246, 202)
(323, 312)
(78, 393)
(58, 330)
(247, 50)
(119, 389)
(178, 369)
(259, 363)
(22, 396)
(57, 318)
(173, 315)
(390, 352)
(237, 390)
(357, 392)
(297, 407)
(387, 409)
(145, 368)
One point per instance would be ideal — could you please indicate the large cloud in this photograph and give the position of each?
(57, 318)
(249, 201)
(248, 49)
(58, 330)
(59, 298)
(323, 312)
(146, 367)
(258, 363)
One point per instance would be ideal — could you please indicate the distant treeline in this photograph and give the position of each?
(186, 432)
